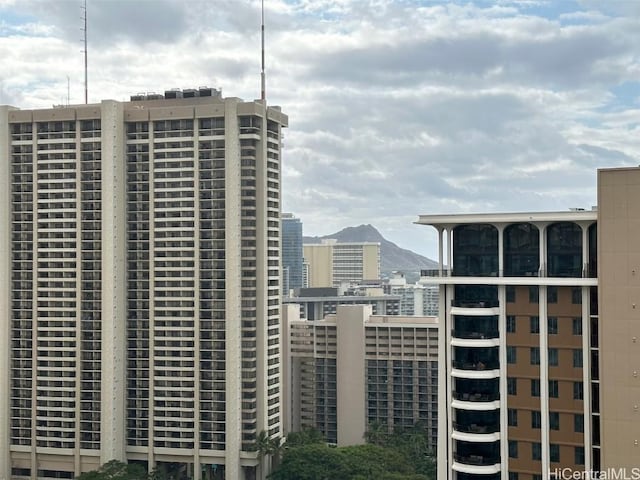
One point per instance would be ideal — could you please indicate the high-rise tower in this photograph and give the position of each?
(140, 308)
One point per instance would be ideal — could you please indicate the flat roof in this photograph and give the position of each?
(514, 217)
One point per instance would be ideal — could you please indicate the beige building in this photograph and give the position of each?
(353, 368)
(539, 332)
(139, 315)
(332, 263)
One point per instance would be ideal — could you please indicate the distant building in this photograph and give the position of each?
(354, 368)
(139, 309)
(292, 253)
(417, 299)
(332, 263)
(317, 303)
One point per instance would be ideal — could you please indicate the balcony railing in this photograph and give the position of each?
(476, 459)
(473, 428)
(476, 365)
(465, 334)
(476, 397)
(586, 271)
(475, 304)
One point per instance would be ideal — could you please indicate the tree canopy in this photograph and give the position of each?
(401, 455)
(115, 470)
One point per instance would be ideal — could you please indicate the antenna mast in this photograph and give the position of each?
(86, 70)
(262, 79)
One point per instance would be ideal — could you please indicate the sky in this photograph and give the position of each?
(397, 108)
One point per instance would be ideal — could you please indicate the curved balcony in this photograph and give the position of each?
(481, 334)
(476, 397)
(476, 464)
(477, 434)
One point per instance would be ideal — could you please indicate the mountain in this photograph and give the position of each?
(392, 257)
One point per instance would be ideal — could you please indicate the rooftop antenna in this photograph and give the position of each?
(262, 77)
(86, 73)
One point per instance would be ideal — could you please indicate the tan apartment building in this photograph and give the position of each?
(540, 329)
(352, 369)
(139, 316)
(331, 263)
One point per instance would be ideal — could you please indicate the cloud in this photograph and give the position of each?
(397, 107)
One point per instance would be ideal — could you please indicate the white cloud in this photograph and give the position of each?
(397, 107)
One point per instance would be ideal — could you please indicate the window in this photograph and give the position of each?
(579, 456)
(513, 475)
(553, 389)
(576, 295)
(578, 423)
(536, 451)
(533, 294)
(554, 420)
(511, 323)
(512, 386)
(577, 326)
(535, 356)
(578, 391)
(577, 358)
(513, 449)
(511, 294)
(512, 417)
(553, 357)
(536, 420)
(534, 323)
(511, 354)
(552, 294)
(535, 387)
(552, 325)
(554, 452)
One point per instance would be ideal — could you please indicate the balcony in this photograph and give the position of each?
(474, 428)
(479, 460)
(476, 366)
(476, 397)
(479, 335)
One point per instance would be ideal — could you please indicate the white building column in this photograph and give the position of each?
(114, 284)
(504, 425)
(500, 228)
(233, 297)
(5, 294)
(542, 230)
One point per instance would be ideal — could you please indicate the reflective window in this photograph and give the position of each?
(521, 250)
(564, 250)
(475, 250)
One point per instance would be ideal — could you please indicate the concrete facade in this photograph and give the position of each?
(538, 310)
(332, 263)
(353, 369)
(141, 319)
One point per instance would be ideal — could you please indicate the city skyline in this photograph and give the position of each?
(398, 108)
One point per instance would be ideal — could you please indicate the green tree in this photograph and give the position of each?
(115, 470)
(307, 436)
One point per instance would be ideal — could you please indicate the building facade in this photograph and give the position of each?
(354, 369)
(140, 317)
(519, 309)
(332, 263)
(292, 253)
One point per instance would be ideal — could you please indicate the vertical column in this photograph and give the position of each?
(504, 427)
(233, 288)
(544, 379)
(440, 253)
(151, 425)
(78, 359)
(450, 249)
(114, 280)
(350, 372)
(586, 378)
(5, 294)
(542, 229)
(585, 249)
(445, 386)
(197, 471)
(34, 308)
(500, 228)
